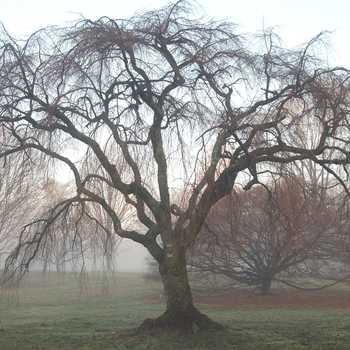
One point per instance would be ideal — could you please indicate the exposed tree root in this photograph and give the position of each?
(191, 321)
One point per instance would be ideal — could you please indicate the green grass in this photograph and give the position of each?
(59, 313)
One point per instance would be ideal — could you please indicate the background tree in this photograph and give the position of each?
(102, 241)
(18, 200)
(288, 233)
(83, 237)
(66, 239)
(186, 102)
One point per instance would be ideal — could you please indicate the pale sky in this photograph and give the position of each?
(297, 20)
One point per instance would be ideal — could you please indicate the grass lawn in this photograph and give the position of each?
(55, 312)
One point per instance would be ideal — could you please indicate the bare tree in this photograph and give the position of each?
(102, 240)
(188, 103)
(83, 233)
(17, 200)
(62, 246)
(287, 233)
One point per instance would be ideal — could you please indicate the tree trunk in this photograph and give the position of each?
(180, 312)
(266, 284)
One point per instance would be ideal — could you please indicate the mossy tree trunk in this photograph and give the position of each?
(180, 312)
(176, 286)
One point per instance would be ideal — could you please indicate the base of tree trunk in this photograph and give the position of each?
(191, 321)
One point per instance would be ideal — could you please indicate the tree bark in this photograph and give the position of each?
(180, 312)
(176, 287)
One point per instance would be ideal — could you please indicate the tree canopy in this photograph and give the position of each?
(169, 109)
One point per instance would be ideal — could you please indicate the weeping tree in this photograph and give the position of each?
(188, 103)
(104, 245)
(80, 238)
(17, 200)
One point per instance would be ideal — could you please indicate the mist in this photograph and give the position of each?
(131, 257)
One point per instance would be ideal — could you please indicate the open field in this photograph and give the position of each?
(59, 313)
